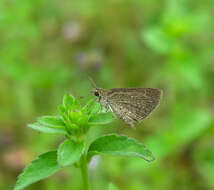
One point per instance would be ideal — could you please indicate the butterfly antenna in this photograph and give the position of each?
(92, 82)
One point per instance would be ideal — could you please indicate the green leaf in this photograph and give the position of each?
(47, 129)
(69, 152)
(62, 112)
(51, 121)
(94, 108)
(61, 109)
(119, 146)
(74, 116)
(112, 187)
(76, 105)
(101, 118)
(44, 166)
(87, 108)
(68, 101)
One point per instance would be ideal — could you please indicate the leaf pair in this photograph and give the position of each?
(70, 152)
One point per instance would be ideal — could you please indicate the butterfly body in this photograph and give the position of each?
(130, 104)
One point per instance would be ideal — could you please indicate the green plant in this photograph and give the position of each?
(74, 122)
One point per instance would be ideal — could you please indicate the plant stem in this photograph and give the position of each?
(84, 172)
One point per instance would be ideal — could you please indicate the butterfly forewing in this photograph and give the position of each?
(130, 104)
(133, 104)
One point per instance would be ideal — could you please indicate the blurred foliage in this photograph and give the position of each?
(49, 48)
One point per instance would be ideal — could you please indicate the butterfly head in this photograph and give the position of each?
(96, 92)
(100, 93)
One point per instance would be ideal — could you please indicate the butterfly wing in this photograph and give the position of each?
(133, 104)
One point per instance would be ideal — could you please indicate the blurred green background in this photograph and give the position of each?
(50, 47)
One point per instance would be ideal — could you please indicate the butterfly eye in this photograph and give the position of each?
(96, 93)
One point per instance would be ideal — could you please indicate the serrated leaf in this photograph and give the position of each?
(42, 167)
(51, 121)
(47, 129)
(112, 187)
(101, 118)
(119, 146)
(69, 152)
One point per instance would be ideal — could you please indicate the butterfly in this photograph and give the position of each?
(129, 104)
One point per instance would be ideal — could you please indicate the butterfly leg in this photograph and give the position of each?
(101, 105)
(109, 107)
(123, 116)
(104, 104)
(129, 121)
(101, 108)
